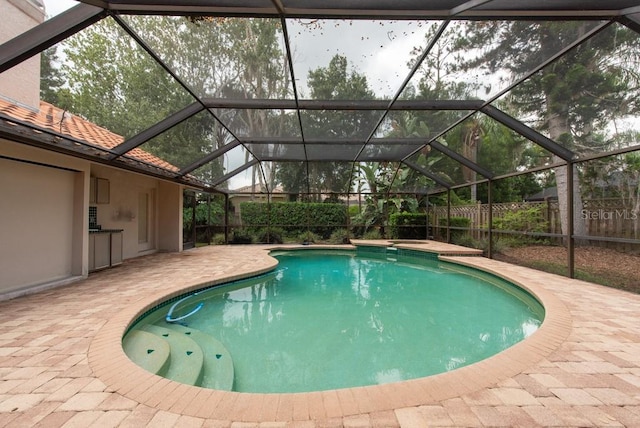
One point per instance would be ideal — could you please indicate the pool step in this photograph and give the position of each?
(187, 358)
(147, 350)
(218, 365)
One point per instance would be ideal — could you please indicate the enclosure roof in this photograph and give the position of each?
(250, 127)
(379, 8)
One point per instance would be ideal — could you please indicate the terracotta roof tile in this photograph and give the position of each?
(62, 122)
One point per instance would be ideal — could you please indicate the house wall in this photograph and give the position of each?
(17, 83)
(169, 215)
(44, 220)
(122, 211)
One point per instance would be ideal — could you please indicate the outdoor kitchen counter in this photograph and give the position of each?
(105, 248)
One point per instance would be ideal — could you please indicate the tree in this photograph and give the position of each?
(574, 98)
(52, 81)
(332, 82)
(111, 77)
(117, 85)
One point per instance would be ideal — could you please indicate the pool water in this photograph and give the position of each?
(332, 320)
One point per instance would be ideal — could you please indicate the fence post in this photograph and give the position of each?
(570, 242)
(448, 216)
(226, 218)
(490, 219)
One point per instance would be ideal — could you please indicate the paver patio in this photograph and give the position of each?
(61, 366)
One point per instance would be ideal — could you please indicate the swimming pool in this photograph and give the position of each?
(326, 320)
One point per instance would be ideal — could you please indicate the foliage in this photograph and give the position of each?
(466, 240)
(575, 99)
(462, 222)
(455, 222)
(109, 77)
(295, 217)
(340, 236)
(380, 179)
(52, 80)
(308, 237)
(335, 81)
(206, 214)
(408, 225)
(372, 234)
(218, 239)
(241, 236)
(272, 235)
(353, 210)
(522, 220)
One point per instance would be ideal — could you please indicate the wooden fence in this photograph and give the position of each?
(609, 218)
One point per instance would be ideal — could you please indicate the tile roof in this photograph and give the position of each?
(59, 121)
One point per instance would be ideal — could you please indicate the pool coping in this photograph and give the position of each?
(111, 365)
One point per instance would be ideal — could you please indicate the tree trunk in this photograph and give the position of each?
(558, 126)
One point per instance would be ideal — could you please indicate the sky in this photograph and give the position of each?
(55, 7)
(379, 50)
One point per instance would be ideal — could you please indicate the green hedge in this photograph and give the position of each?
(455, 222)
(456, 234)
(295, 217)
(408, 225)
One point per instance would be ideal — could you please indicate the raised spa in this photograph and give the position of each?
(334, 319)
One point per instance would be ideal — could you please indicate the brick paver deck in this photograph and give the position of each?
(61, 364)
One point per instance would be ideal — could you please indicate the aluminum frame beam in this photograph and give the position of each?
(47, 34)
(527, 132)
(427, 174)
(345, 141)
(365, 105)
(461, 159)
(474, 9)
(234, 172)
(157, 129)
(211, 156)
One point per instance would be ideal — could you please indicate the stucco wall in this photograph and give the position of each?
(44, 215)
(22, 82)
(169, 215)
(41, 220)
(122, 210)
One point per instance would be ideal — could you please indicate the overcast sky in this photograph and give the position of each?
(379, 50)
(54, 7)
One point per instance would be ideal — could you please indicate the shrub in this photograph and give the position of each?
(339, 236)
(529, 220)
(308, 238)
(241, 237)
(218, 239)
(408, 225)
(456, 234)
(465, 239)
(295, 217)
(455, 222)
(372, 234)
(270, 236)
(212, 213)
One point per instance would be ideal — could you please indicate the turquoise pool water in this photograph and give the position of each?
(327, 320)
